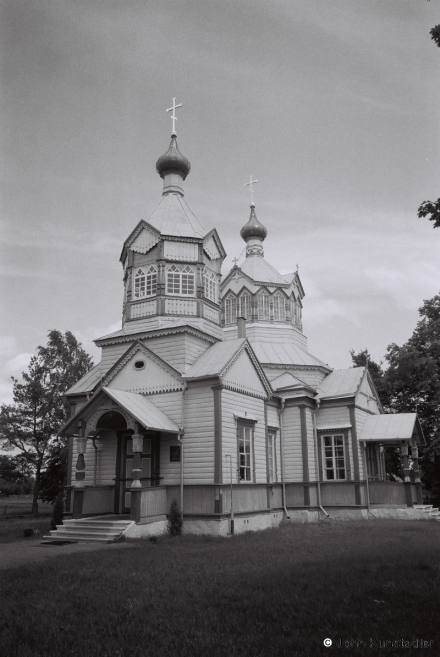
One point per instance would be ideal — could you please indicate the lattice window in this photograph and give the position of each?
(145, 282)
(279, 309)
(333, 457)
(181, 280)
(210, 284)
(245, 307)
(230, 309)
(263, 305)
(272, 456)
(245, 436)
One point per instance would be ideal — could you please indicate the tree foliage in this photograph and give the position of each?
(15, 477)
(431, 210)
(435, 34)
(32, 422)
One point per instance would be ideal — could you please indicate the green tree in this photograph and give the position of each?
(13, 479)
(413, 379)
(32, 422)
(431, 210)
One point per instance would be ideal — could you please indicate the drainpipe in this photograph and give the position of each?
(364, 454)
(315, 441)
(179, 438)
(283, 485)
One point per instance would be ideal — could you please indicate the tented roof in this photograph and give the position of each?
(143, 410)
(259, 270)
(172, 216)
(285, 354)
(392, 427)
(88, 382)
(341, 383)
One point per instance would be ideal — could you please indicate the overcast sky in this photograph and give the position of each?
(332, 104)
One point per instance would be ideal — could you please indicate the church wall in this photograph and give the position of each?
(199, 435)
(361, 417)
(333, 415)
(169, 403)
(311, 444)
(170, 471)
(112, 353)
(366, 401)
(273, 417)
(180, 350)
(235, 403)
(311, 377)
(278, 333)
(293, 470)
(106, 461)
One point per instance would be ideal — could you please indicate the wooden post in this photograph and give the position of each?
(406, 472)
(418, 483)
(78, 498)
(137, 441)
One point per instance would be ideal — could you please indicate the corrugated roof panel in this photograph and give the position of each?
(143, 410)
(390, 427)
(88, 382)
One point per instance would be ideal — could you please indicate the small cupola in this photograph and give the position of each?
(172, 166)
(253, 233)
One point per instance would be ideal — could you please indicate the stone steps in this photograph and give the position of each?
(101, 530)
(429, 512)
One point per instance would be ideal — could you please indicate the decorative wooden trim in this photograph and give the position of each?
(218, 451)
(266, 432)
(138, 346)
(157, 333)
(320, 469)
(355, 452)
(69, 477)
(347, 455)
(244, 390)
(304, 445)
(305, 401)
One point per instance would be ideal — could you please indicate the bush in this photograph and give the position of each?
(58, 511)
(175, 520)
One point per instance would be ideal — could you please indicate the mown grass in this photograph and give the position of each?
(12, 529)
(279, 592)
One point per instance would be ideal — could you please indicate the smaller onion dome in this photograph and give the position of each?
(173, 161)
(253, 228)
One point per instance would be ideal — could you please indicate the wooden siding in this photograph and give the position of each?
(293, 469)
(111, 354)
(273, 417)
(106, 461)
(237, 403)
(153, 502)
(365, 397)
(180, 350)
(184, 251)
(170, 471)
(360, 416)
(245, 498)
(338, 494)
(311, 445)
(153, 377)
(199, 435)
(144, 241)
(311, 377)
(259, 332)
(243, 370)
(169, 403)
(332, 415)
(98, 500)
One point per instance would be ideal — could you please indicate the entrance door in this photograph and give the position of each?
(149, 452)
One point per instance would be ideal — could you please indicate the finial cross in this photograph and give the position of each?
(235, 260)
(173, 115)
(251, 189)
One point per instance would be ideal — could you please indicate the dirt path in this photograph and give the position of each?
(13, 555)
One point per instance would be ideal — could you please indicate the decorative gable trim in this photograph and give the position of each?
(133, 235)
(367, 376)
(246, 347)
(186, 328)
(139, 347)
(211, 240)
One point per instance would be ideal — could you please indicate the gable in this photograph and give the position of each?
(211, 249)
(145, 240)
(243, 376)
(366, 396)
(155, 375)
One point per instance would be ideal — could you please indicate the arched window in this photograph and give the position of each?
(279, 309)
(230, 309)
(210, 284)
(181, 280)
(244, 309)
(263, 305)
(145, 282)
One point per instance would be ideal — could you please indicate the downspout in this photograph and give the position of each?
(179, 438)
(315, 441)
(367, 485)
(283, 485)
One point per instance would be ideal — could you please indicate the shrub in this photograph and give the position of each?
(58, 511)
(175, 520)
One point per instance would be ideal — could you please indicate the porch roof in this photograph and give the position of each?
(392, 427)
(143, 410)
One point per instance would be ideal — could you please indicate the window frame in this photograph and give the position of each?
(180, 278)
(264, 307)
(333, 456)
(282, 307)
(245, 434)
(210, 288)
(231, 300)
(272, 435)
(150, 281)
(245, 299)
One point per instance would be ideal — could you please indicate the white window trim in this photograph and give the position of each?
(210, 287)
(242, 426)
(231, 298)
(282, 306)
(272, 435)
(179, 271)
(333, 435)
(247, 315)
(263, 306)
(146, 273)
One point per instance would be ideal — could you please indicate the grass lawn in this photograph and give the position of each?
(12, 529)
(278, 592)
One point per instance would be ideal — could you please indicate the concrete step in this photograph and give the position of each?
(77, 537)
(94, 525)
(92, 531)
(89, 529)
(423, 507)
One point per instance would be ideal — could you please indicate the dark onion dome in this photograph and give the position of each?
(173, 161)
(253, 228)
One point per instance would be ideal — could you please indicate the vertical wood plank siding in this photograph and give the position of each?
(106, 460)
(311, 444)
(98, 500)
(169, 471)
(153, 502)
(237, 403)
(199, 436)
(293, 467)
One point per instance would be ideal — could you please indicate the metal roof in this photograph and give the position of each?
(392, 427)
(213, 361)
(285, 354)
(143, 410)
(173, 217)
(88, 382)
(341, 383)
(287, 380)
(257, 268)
(131, 328)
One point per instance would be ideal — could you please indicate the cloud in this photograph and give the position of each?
(16, 365)
(7, 345)
(88, 335)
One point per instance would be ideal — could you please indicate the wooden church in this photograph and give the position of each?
(208, 395)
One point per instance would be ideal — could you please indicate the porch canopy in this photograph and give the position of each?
(392, 428)
(143, 410)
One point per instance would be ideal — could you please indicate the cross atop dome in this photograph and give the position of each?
(251, 189)
(173, 116)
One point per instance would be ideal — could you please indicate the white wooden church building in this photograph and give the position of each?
(208, 393)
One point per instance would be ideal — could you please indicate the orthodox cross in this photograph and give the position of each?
(251, 189)
(173, 115)
(235, 260)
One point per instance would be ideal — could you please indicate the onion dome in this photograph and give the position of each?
(173, 161)
(253, 229)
